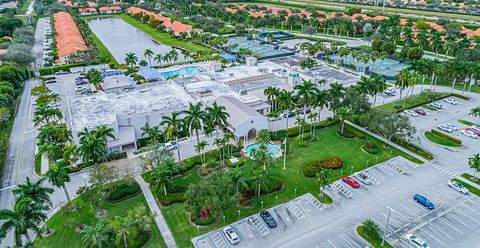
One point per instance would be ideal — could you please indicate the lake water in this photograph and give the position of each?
(121, 38)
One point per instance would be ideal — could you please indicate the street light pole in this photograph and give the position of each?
(285, 153)
(386, 226)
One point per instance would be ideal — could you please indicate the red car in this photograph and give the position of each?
(475, 131)
(420, 111)
(351, 181)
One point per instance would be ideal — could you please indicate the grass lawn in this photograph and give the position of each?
(65, 228)
(416, 100)
(470, 188)
(295, 183)
(376, 243)
(468, 123)
(470, 178)
(6, 129)
(440, 140)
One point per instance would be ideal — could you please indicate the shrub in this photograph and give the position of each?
(355, 132)
(204, 218)
(274, 184)
(303, 137)
(302, 144)
(346, 134)
(53, 69)
(191, 162)
(370, 149)
(446, 136)
(176, 189)
(240, 163)
(413, 148)
(332, 163)
(311, 168)
(123, 191)
(170, 198)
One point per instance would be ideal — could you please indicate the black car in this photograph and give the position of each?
(288, 115)
(268, 219)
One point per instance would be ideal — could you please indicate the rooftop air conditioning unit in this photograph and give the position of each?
(243, 92)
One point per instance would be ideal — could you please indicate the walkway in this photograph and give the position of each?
(152, 204)
(384, 140)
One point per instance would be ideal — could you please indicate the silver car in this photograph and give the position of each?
(451, 101)
(457, 187)
(451, 126)
(445, 128)
(231, 235)
(410, 113)
(435, 105)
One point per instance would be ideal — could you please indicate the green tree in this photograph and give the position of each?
(217, 116)
(324, 178)
(263, 138)
(194, 119)
(371, 229)
(92, 147)
(161, 176)
(474, 163)
(174, 126)
(305, 93)
(389, 125)
(58, 177)
(131, 59)
(475, 112)
(97, 236)
(94, 77)
(148, 54)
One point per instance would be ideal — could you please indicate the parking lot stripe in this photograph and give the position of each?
(473, 210)
(434, 197)
(346, 241)
(403, 216)
(444, 233)
(453, 217)
(418, 205)
(470, 200)
(431, 236)
(409, 210)
(392, 220)
(460, 212)
(443, 193)
(331, 243)
(446, 223)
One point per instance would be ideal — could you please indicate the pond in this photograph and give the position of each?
(121, 38)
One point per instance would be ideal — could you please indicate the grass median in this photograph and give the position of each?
(470, 188)
(440, 140)
(375, 242)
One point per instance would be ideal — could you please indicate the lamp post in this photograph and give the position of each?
(386, 226)
(285, 153)
(85, 179)
(239, 214)
(295, 192)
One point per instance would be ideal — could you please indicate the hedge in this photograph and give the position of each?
(274, 184)
(240, 163)
(53, 69)
(122, 191)
(413, 148)
(446, 136)
(170, 198)
(355, 132)
(374, 150)
(346, 133)
(460, 96)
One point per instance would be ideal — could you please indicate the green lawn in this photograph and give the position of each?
(24, 7)
(412, 101)
(376, 243)
(330, 144)
(468, 123)
(440, 140)
(64, 226)
(470, 178)
(470, 188)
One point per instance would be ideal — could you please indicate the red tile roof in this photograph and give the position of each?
(68, 38)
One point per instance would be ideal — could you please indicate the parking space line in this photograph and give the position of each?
(346, 241)
(392, 220)
(409, 210)
(446, 223)
(458, 220)
(431, 236)
(434, 197)
(460, 212)
(444, 233)
(331, 243)
(475, 211)
(418, 206)
(443, 193)
(401, 215)
(470, 200)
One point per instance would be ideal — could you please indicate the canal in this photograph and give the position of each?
(121, 38)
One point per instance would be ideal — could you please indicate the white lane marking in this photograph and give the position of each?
(444, 170)
(444, 233)
(331, 243)
(473, 210)
(409, 210)
(431, 236)
(346, 241)
(401, 215)
(434, 197)
(392, 220)
(460, 212)
(418, 205)
(470, 200)
(443, 193)
(453, 217)
(446, 223)
(9, 187)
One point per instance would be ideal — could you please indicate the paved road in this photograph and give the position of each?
(38, 45)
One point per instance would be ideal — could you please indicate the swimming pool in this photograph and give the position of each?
(272, 149)
(185, 71)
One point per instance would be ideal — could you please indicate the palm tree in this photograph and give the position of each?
(220, 143)
(158, 58)
(199, 148)
(153, 133)
(456, 70)
(271, 92)
(34, 191)
(475, 112)
(263, 138)
(195, 116)
(98, 235)
(324, 178)
(122, 229)
(379, 84)
(131, 59)
(217, 116)
(161, 176)
(26, 215)
(186, 55)
(148, 54)
(174, 55)
(474, 163)
(92, 147)
(342, 114)
(321, 101)
(402, 79)
(49, 150)
(306, 92)
(173, 129)
(58, 177)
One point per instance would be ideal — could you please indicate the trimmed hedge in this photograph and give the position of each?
(332, 163)
(374, 150)
(170, 198)
(460, 96)
(53, 69)
(302, 144)
(123, 190)
(446, 136)
(240, 163)
(413, 148)
(346, 133)
(355, 132)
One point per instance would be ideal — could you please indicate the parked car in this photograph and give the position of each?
(288, 115)
(475, 131)
(306, 111)
(351, 181)
(445, 128)
(268, 219)
(420, 111)
(452, 101)
(457, 187)
(416, 241)
(422, 200)
(363, 178)
(453, 127)
(475, 128)
(169, 146)
(410, 113)
(389, 92)
(61, 72)
(51, 81)
(231, 235)
(274, 118)
(435, 105)
(79, 78)
(81, 82)
(469, 134)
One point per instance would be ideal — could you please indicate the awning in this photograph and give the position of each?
(228, 57)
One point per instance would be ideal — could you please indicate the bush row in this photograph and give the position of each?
(170, 198)
(446, 136)
(413, 148)
(421, 103)
(295, 131)
(311, 168)
(355, 132)
(371, 150)
(123, 190)
(53, 69)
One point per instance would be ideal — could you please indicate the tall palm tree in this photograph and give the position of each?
(153, 133)
(161, 176)
(195, 117)
(148, 54)
(122, 228)
(58, 177)
(26, 215)
(131, 59)
(321, 101)
(91, 148)
(475, 112)
(173, 129)
(474, 163)
(306, 92)
(49, 150)
(456, 70)
(379, 84)
(174, 55)
(158, 58)
(402, 79)
(34, 191)
(217, 116)
(97, 236)
(271, 92)
(186, 55)
(342, 114)
(199, 148)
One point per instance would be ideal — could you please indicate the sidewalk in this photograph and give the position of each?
(384, 140)
(152, 204)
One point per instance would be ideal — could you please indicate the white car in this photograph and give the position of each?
(435, 105)
(469, 134)
(451, 126)
(169, 146)
(411, 113)
(274, 118)
(363, 178)
(445, 128)
(458, 187)
(451, 101)
(389, 92)
(416, 241)
(231, 235)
